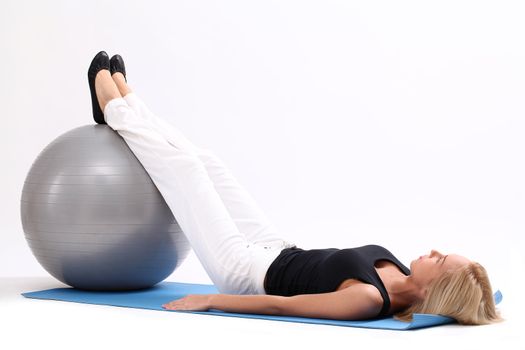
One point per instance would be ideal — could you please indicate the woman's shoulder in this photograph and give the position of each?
(375, 247)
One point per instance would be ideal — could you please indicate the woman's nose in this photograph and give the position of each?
(434, 253)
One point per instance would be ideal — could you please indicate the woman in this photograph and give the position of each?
(252, 267)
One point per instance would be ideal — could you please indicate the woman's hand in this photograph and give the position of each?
(193, 302)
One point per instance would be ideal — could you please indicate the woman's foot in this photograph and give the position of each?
(106, 89)
(116, 64)
(118, 73)
(99, 63)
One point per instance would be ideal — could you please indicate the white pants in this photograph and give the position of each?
(231, 236)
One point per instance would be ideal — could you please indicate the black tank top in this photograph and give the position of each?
(298, 271)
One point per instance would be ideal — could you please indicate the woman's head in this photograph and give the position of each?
(429, 267)
(452, 286)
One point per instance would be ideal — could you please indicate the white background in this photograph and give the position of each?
(399, 123)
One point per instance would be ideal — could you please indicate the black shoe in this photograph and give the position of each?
(116, 64)
(100, 62)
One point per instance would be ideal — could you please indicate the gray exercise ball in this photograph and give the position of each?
(94, 219)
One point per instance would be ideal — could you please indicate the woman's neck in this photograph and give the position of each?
(401, 289)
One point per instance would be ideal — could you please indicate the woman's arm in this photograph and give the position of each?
(254, 304)
(359, 301)
(257, 304)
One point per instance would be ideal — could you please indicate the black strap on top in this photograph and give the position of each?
(381, 287)
(386, 299)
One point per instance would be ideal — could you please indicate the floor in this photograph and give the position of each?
(31, 323)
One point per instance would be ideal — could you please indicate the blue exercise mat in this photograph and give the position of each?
(153, 298)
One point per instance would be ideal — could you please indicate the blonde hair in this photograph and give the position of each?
(464, 294)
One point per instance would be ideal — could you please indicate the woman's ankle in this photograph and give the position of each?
(121, 83)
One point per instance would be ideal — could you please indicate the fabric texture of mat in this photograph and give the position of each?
(153, 298)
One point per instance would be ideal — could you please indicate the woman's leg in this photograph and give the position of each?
(245, 212)
(181, 178)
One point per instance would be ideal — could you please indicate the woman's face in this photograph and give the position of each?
(428, 267)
